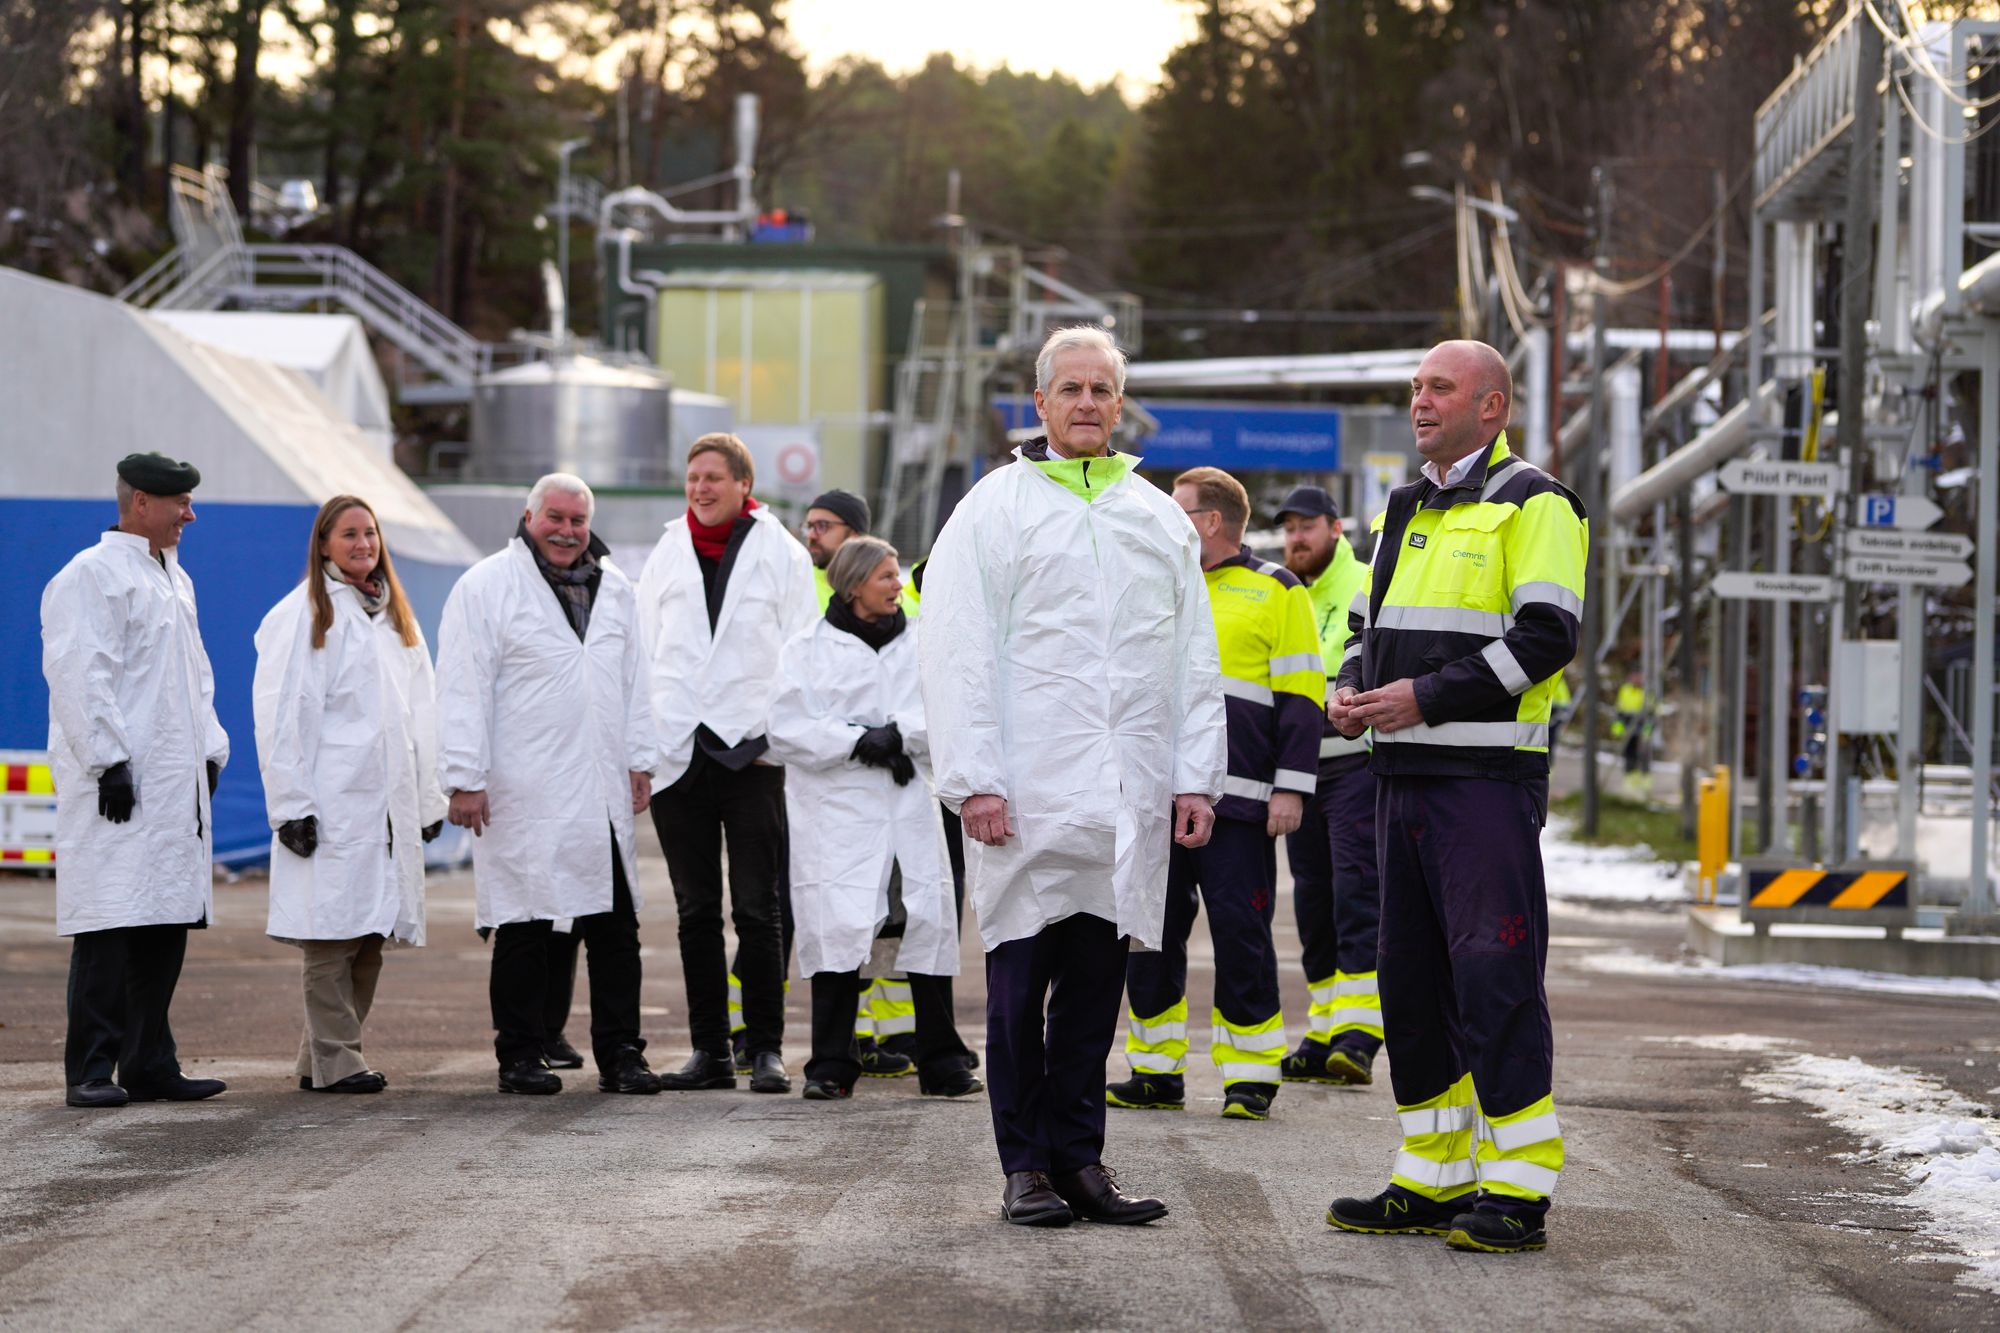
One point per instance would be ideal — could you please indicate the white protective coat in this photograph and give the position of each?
(548, 727)
(849, 823)
(1069, 666)
(725, 677)
(346, 733)
(129, 681)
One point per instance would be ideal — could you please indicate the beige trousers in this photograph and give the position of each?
(340, 978)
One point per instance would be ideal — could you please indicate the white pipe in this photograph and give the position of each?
(1979, 294)
(1729, 436)
(650, 295)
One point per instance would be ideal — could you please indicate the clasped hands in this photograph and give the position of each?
(1390, 708)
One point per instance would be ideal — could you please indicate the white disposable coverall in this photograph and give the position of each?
(548, 727)
(129, 681)
(1070, 666)
(346, 733)
(724, 677)
(848, 822)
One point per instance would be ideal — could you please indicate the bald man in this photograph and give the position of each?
(1473, 604)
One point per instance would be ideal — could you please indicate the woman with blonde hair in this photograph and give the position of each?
(347, 741)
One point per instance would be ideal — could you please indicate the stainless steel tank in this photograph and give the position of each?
(608, 424)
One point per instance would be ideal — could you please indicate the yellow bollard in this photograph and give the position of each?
(1711, 833)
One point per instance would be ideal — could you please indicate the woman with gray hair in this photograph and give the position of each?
(848, 723)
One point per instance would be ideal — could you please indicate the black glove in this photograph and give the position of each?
(902, 768)
(214, 776)
(115, 797)
(878, 745)
(431, 831)
(300, 836)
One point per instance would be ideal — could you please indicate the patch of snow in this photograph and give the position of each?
(1625, 962)
(1945, 1145)
(1574, 870)
(1733, 1041)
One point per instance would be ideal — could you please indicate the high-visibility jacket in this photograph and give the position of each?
(1476, 596)
(824, 591)
(1273, 683)
(1630, 709)
(1340, 589)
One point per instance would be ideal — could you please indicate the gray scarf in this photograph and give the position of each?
(374, 592)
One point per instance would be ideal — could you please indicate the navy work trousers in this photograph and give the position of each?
(1051, 1012)
(1336, 884)
(1236, 873)
(121, 984)
(1464, 939)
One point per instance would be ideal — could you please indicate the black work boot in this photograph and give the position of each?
(1147, 1092)
(1350, 1065)
(1491, 1231)
(530, 1077)
(629, 1073)
(1307, 1064)
(704, 1069)
(1394, 1212)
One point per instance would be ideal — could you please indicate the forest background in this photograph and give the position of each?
(1259, 198)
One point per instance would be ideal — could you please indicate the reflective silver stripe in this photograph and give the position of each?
(1512, 1138)
(1292, 780)
(1333, 747)
(1244, 689)
(1506, 666)
(1360, 603)
(1445, 620)
(1435, 1175)
(1525, 1175)
(1436, 1120)
(1248, 1073)
(1511, 734)
(1290, 662)
(1156, 1033)
(897, 1026)
(1152, 1062)
(1322, 994)
(898, 992)
(1496, 479)
(1248, 790)
(1552, 593)
(1367, 1018)
(1357, 986)
(1242, 1042)
(1352, 650)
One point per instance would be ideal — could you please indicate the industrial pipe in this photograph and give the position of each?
(1728, 437)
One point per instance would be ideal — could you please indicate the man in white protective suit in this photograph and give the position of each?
(546, 749)
(136, 750)
(1074, 698)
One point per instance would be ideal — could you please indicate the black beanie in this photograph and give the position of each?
(851, 508)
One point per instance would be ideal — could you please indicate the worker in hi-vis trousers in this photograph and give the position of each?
(1475, 596)
(1274, 687)
(1336, 893)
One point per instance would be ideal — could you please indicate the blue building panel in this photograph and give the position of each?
(1236, 437)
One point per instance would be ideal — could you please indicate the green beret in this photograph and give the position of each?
(156, 474)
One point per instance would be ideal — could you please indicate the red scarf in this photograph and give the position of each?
(712, 542)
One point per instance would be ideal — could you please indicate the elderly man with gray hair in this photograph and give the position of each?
(546, 748)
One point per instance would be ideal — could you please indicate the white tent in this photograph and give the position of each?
(330, 350)
(85, 380)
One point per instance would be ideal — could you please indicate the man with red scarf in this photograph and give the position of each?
(722, 592)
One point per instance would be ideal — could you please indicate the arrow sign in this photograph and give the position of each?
(1774, 587)
(1933, 546)
(1897, 569)
(1896, 511)
(1752, 477)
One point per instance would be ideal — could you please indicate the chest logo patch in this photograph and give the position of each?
(1417, 540)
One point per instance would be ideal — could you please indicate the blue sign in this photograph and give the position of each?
(1237, 437)
(1878, 511)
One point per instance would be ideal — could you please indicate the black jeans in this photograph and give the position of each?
(518, 989)
(563, 949)
(836, 1056)
(121, 983)
(708, 803)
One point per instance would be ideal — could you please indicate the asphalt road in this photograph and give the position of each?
(1688, 1203)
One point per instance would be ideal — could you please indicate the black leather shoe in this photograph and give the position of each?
(1030, 1201)
(96, 1092)
(629, 1074)
(1092, 1193)
(767, 1073)
(704, 1069)
(826, 1090)
(559, 1054)
(179, 1088)
(958, 1083)
(365, 1081)
(529, 1077)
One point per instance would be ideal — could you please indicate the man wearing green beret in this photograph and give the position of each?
(136, 751)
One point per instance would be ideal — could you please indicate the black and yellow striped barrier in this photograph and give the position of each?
(1875, 894)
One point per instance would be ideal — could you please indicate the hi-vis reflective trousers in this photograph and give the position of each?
(1337, 898)
(890, 1010)
(1235, 874)
(1463, 947)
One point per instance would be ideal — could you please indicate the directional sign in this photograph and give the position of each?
(1753, 477)
(1775, 587)
(1900, 569)
(1896, 511)
(1936, 546)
